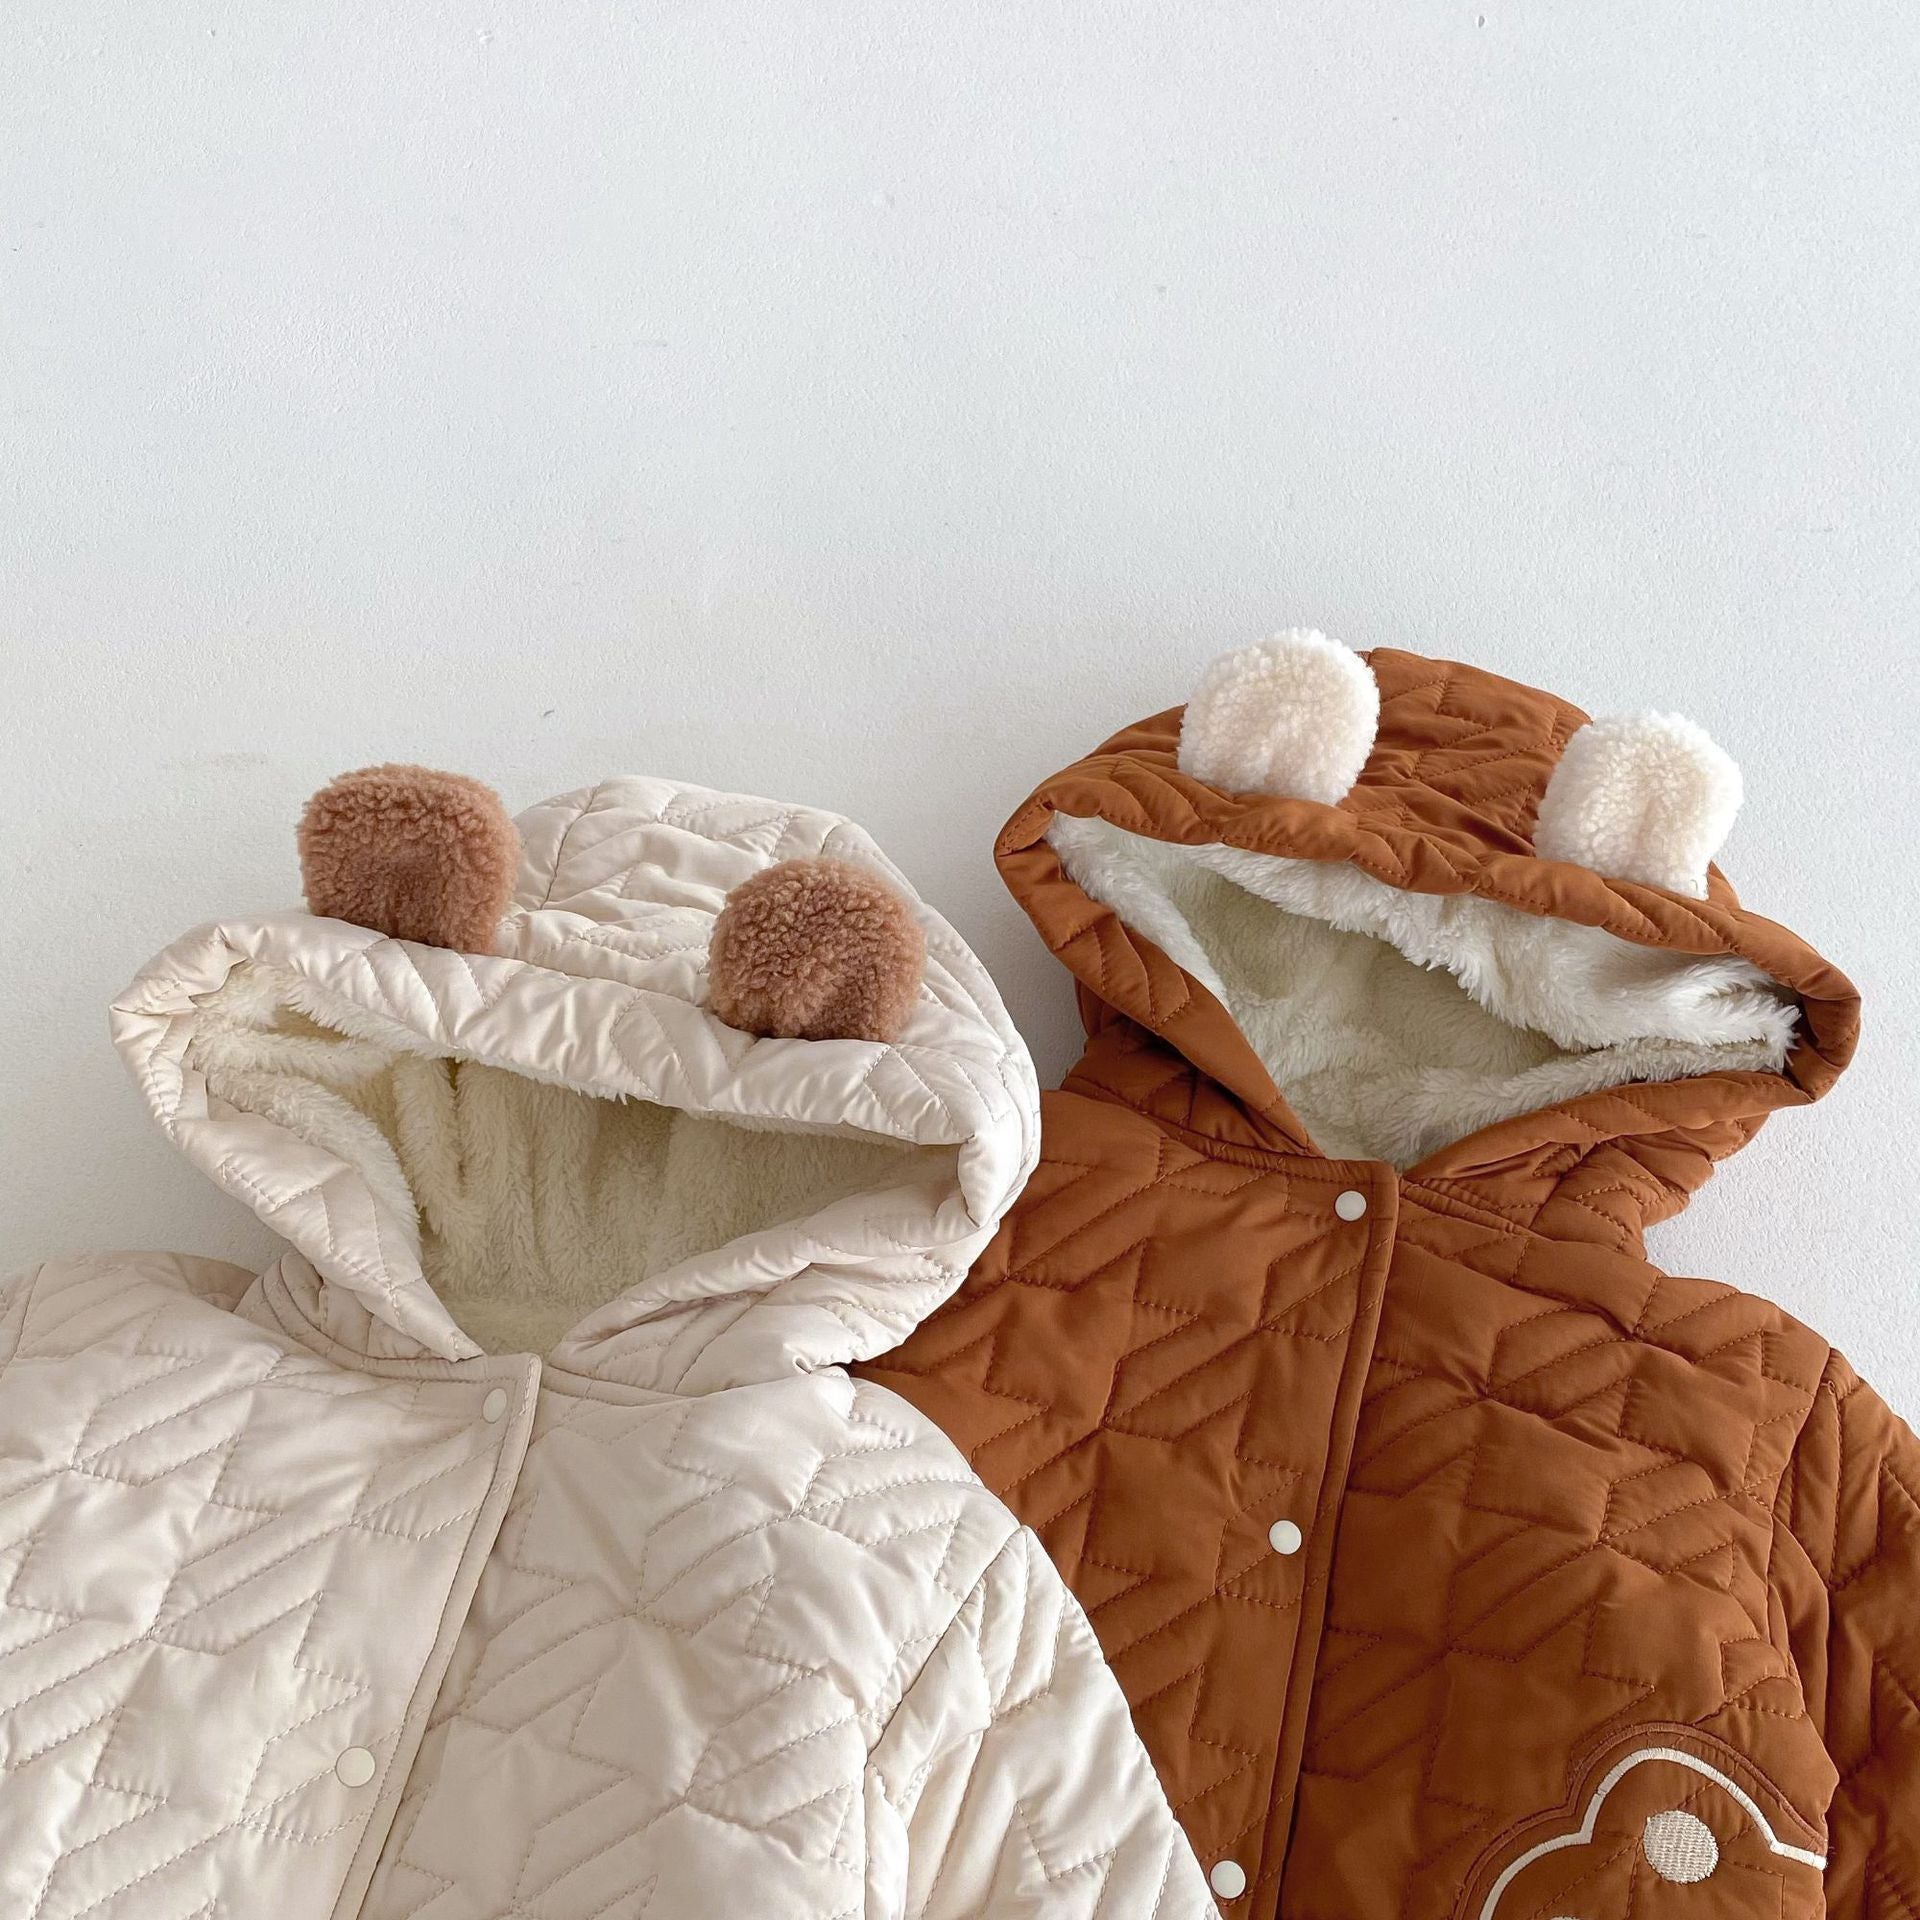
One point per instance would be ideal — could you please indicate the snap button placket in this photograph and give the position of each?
(354, 1768)
(1284, 1536)
(493, 1409)
(1351, 1205)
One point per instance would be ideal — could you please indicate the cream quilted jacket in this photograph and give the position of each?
(321, 1596)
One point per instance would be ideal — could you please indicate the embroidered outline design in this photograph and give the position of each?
(1583, 1834)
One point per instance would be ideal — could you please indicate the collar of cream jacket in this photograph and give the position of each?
(723, 1209)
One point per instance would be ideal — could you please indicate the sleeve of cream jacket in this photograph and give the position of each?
(1852, 1503)
(1010, 1778)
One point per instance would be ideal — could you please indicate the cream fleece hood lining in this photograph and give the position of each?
(1398, 1022)
(559, 1139)
(526, 1204)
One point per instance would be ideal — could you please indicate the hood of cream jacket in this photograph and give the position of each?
(517, 1543)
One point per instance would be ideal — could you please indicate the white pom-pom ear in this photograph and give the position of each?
(1640, 796)
(1294, 716)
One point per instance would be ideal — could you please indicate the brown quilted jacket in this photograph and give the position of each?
(1455, 1559)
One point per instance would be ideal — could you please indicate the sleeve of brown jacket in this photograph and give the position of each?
(1851, 1502)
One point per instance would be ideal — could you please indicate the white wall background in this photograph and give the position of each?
(876, 404)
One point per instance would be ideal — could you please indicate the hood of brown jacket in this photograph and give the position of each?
(1400, 975)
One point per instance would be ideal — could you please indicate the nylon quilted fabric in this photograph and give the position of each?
(1581, 1544)
(309, 1607)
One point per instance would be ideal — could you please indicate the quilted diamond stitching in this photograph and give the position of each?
(86, 1350)
(701, 1578)
(1687, 1535)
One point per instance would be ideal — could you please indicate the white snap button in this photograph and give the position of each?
(494, 1406)
(354, 1767)
(1228, 1879)
(1680, 1847)
(1285, 1537)
(1351, 1204)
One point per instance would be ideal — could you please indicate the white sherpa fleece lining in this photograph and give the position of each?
(533, 1203)
(1397, 1022)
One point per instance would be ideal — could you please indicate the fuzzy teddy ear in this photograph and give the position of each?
(815, 950)
(413, 853)
(1293, 716)
(1646, 797)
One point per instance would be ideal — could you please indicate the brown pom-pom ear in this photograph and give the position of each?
(815, 950)
(410, 852)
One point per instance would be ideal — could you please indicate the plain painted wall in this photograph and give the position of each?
(877, 404)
